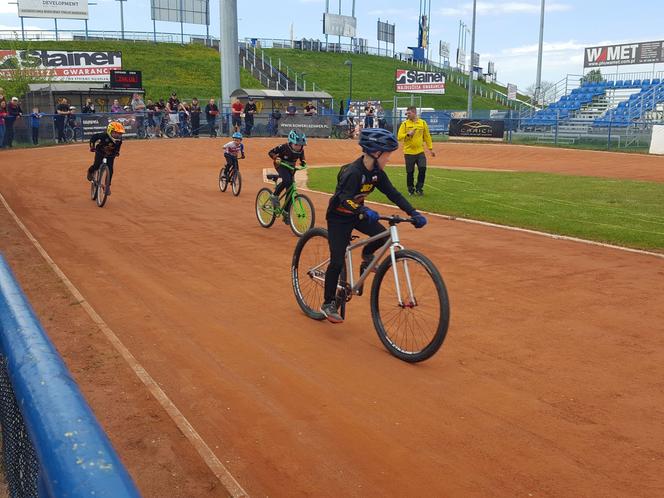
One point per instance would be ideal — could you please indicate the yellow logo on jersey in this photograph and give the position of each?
(352, 204)
(367, 187)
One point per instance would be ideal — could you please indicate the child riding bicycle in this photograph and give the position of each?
(233, 150)
(289, 153)
(106, 145)
(346, 210)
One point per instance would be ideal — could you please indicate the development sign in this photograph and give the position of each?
(58, 9)
(59, 65)
(337, 25)
(629, 53)
(477, 128)
(412, 81)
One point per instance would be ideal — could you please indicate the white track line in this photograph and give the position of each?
(218, 469)
(517, 229)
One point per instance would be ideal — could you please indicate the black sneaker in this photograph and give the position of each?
(419, 192)
(90, 176)
(331, 313)
(411, 191)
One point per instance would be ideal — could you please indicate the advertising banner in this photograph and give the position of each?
(620, 55)
(60, 65)
(412, 81)
(444, 50)
(311, 126)
(54, 9)
(337, 25)
(97, 123)
(461, 57)
(477, 128)
(186, 11)
(126, 79)
(476, 59)
(511, 91)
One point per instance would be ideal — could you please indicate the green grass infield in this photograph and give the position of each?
(622, 212)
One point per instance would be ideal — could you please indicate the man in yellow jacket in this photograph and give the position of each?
(414, 132)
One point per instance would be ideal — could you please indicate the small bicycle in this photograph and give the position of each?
(234, 178)
(409, 303)
(300, 214)
(99, 183)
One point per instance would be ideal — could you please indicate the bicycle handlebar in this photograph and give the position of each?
(292, 166)
(396, 219)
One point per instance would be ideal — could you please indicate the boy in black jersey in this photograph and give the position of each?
(106, 145)
(346, 210)
(289, 152)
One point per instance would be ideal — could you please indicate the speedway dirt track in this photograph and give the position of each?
(548, 384)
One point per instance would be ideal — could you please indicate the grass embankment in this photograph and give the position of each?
(373, 78)
(190, 70)
(627, 213)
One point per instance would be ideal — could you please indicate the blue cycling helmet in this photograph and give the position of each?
(297, 138)
(237, 134)
(378, 140)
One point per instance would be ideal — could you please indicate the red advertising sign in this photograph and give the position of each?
(412, 81)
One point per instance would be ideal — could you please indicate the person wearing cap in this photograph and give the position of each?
(14, 112)
(249, 110)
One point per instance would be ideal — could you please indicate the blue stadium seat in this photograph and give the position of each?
(620, 84)
(627, 84)
(609, 84)
(636, 83)
(656, 81)
(645, 83)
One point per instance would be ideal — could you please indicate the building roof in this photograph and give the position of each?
(82, 87)
(260, 93)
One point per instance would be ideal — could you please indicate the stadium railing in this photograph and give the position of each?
(52, 444)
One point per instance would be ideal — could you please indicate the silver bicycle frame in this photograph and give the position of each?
(392, 244)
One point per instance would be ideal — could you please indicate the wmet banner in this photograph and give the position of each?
(629, 53)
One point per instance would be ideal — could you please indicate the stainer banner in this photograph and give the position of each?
(58, 65)
(628, 53)
(412, 81)
(58, 9)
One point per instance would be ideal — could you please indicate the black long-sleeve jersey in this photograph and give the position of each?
(355, 183)
(102, 142)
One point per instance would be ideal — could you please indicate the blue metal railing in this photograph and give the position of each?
(75, 457)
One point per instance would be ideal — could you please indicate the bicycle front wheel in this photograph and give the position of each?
(171, 131)
(264, 210)
(223, 180)
(69, 134)
(301, 215)
(409, 306)
(104, 180)
(236, 183)
(78, 134)
(310, 260)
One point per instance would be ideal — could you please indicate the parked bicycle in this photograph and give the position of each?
(233, 177)
(99, 184)
(73, 132)
(409, 302)
(296, 209)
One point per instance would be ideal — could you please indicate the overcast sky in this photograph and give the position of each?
(507, 31)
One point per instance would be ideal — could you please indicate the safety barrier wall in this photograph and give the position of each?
(52, 443)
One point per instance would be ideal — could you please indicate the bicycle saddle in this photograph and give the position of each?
(272, 177)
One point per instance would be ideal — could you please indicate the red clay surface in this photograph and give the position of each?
(549, 383)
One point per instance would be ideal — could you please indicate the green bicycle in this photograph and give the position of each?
(300, 215)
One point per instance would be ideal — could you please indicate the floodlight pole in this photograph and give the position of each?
(121, 18)
(538, 82)
(22, 30)
(181, 24)
(228, 49)
(350, 81)
(56, 29)
(472, 69)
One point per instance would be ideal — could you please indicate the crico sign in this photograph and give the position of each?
(60, 65)
(629, 53)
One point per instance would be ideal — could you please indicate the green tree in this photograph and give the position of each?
(594, 76)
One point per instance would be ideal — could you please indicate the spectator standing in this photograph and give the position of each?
(3, 115)
(369, 113)
(61, 113)
(350, 118)
(184, 115)
(149, 113)
(310, 109)
(414, 132)
(173, 103)
(249, 110)
(138, 107)
(275, 116)
(14, 112)
(291, 110)
(211, 113)
(195, 111)
(380, 116)
(236, 115)
(2, 95)
(116, 107)
(159, 111)
(35, 121)
(89, 107)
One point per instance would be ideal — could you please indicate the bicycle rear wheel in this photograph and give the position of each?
(171, 131)
(236, 182)
(308, 267)
(223, 180)
(102, 183)
(69, 134)
(93, 189)
(78, 134)
(301, 215)
(264, 210)
(414, 329)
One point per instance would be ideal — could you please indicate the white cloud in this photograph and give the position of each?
(489, 8)
(7, 8)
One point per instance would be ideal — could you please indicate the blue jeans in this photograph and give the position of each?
(2, 136)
